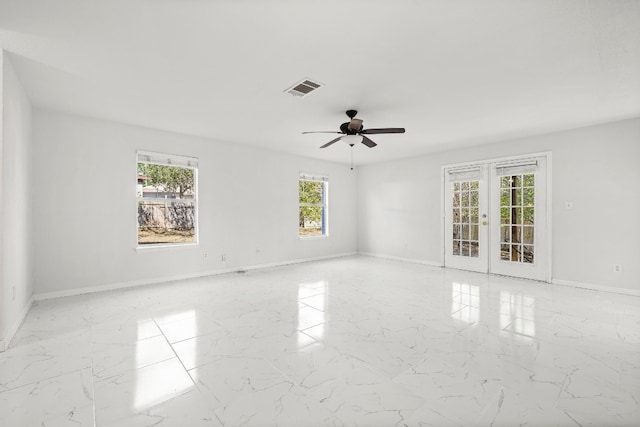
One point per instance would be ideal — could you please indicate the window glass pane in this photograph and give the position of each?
(465, 215)
(310, 192)
(312, 215)
(465, 185)
(166, 222)
(456, 216)
(310, 221)
(505, 182)
(516, 181)
(529, 180)
(474, 185)
(456, 186)
(166, 204)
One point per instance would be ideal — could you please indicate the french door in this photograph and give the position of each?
(466, 218)
(496, 217)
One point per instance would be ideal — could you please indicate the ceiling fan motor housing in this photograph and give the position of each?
(344, 128)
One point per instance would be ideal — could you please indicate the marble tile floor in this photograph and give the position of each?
(353, 341)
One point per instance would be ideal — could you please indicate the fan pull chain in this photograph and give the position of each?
(352, 157)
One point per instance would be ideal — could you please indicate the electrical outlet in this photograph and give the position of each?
(568, 205)
(223, 258)
(206, 255)
(617, 268)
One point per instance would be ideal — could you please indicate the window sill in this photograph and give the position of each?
(163, 246)
(313, 237)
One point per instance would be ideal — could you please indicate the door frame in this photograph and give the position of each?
(549, 206)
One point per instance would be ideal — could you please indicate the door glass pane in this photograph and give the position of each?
(504, 253)
(465, 198)
(527, 235)
(474, 215)
(517, 200)
(465, 220)
(527, 254)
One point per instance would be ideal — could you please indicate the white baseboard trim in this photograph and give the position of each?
(594, 287)
(4, 344)
(396, 258)
(143, 282)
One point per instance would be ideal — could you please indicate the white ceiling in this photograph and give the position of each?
(453, 73)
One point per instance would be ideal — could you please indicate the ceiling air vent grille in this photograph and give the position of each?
(303, 88)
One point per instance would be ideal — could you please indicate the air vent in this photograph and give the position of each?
(303, 88)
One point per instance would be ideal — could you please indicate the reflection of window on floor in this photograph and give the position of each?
(517, 315)
(313, 303)
(157, 382)
(465, 302)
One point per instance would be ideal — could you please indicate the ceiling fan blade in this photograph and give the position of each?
(385, 130)
(331, 142)
(322, 131)
(369, 143)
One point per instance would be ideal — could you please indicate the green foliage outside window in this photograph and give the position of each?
(310, 218)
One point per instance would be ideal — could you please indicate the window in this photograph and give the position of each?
(313, 214)
(167, 199)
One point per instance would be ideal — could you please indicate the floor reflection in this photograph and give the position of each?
(465, 302)
(313, 303)
(517, 315)
(158, 382)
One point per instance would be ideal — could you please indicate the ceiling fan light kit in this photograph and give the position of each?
(353, 132)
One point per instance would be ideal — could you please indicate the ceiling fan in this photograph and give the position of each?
(353, 130)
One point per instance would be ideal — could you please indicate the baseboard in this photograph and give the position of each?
(594, 287)
(396, 258)
(4, 344)
(145, 282)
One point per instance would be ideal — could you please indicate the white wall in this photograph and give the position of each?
(85, 206)
(15, 203)
(598, 168)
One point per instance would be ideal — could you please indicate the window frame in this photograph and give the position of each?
(324, 179)
(172, 160)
